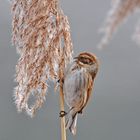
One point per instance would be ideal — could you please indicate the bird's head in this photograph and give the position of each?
(88, 61)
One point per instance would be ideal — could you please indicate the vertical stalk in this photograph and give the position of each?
(63, 130)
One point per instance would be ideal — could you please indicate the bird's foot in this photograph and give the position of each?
(62, 113)
(80, 112)
(58, 81)
(57, 85)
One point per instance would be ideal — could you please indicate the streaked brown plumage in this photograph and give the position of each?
(78, 84)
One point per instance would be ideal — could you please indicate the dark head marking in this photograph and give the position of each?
(85, 60)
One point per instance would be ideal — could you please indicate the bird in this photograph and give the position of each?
(78, 82)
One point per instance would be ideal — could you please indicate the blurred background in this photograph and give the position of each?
(113, 113)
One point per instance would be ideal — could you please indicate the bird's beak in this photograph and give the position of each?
(75, 57)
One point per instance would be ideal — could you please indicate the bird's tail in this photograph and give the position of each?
(72, 121)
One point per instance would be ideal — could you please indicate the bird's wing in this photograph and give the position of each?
(88, 92)
(77, 89)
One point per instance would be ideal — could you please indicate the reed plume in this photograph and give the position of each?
(41, 34)
(120, 10)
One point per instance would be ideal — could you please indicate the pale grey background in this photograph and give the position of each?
(114, 111)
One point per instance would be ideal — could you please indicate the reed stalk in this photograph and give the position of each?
(63, 130)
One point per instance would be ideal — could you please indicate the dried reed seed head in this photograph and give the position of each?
(41, 34)
(120, 10)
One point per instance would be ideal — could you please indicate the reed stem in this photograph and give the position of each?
(63, 130)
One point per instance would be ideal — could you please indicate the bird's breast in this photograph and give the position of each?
(75, 86)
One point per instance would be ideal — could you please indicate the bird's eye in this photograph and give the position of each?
(85, 60)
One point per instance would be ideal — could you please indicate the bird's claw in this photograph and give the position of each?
(80, 112)
(62, 113)
(58, 81)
